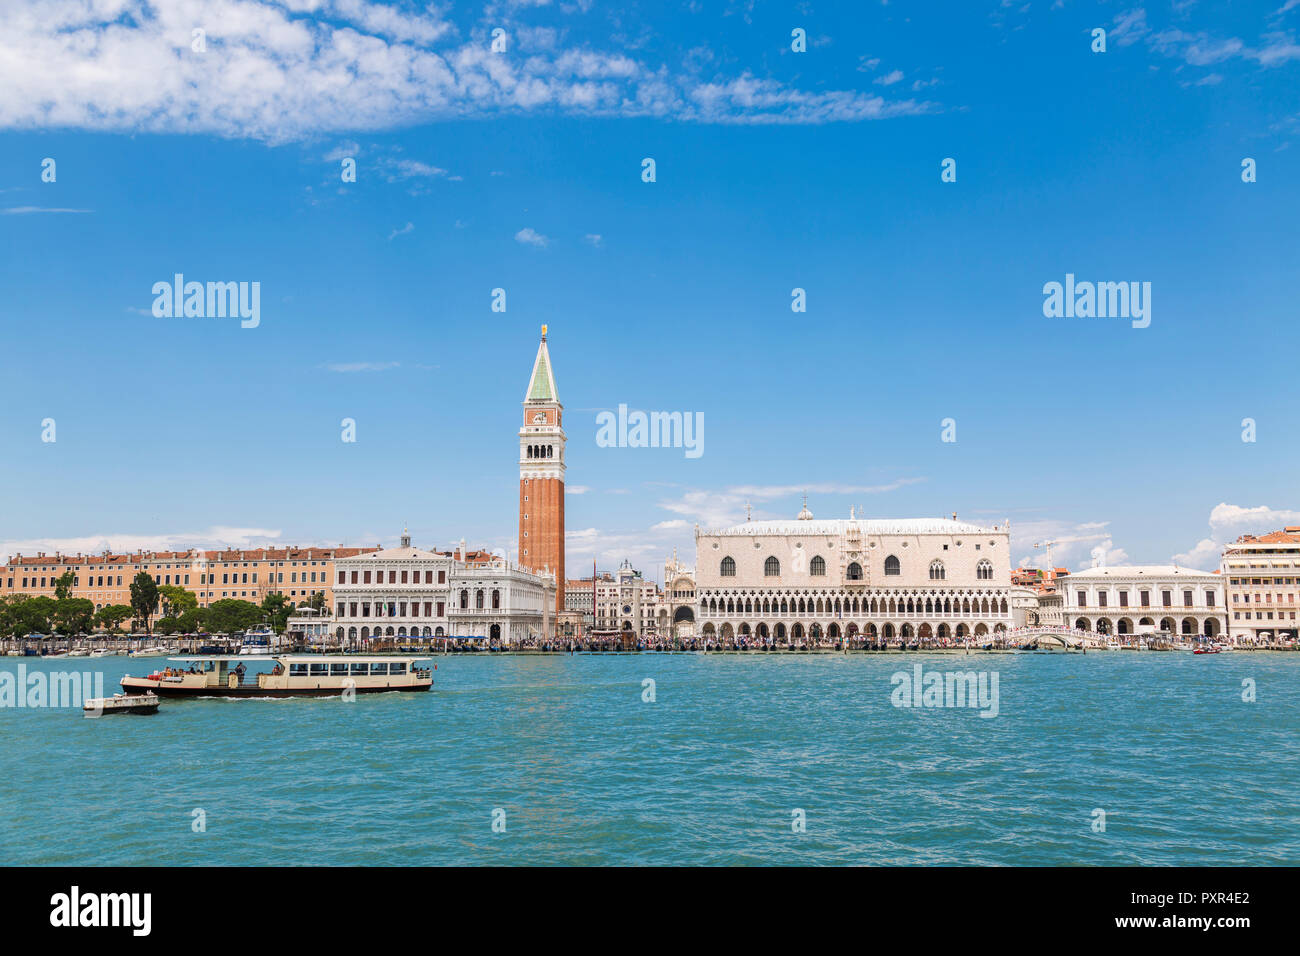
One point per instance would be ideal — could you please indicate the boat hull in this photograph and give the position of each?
(163, 689)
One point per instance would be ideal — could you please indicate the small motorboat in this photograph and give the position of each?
(1206, 650)
(146, 703)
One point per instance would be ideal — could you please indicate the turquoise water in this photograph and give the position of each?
(709, 773)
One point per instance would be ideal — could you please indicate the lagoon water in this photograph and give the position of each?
(711, 772)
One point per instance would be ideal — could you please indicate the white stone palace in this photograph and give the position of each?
(1138, 599)
(878, 579)
(408, 592)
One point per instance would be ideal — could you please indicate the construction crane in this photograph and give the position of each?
(1048, 546)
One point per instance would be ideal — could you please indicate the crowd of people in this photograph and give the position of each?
(610, 644)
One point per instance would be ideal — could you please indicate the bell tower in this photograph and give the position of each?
(541, 475)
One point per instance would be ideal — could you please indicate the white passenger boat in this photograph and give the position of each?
(290, 675)
(257, 641)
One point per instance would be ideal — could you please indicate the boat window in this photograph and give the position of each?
(319, 669)
(399, 668)
(379, 668)
(360, 669)
(338, 669)
(297, 670)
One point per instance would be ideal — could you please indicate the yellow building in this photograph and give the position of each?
(248, 575)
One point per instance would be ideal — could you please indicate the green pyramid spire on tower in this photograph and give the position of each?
(541, 387)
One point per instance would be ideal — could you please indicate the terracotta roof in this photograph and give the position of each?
(139, 557)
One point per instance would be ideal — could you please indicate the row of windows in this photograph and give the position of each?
(412, 577)
(393, 609)
(478, 599)
(852, 606)
(817, 568)
(541, 451)
(347, 669)
(1144, 598)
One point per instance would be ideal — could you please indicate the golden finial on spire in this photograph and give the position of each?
(543, 333)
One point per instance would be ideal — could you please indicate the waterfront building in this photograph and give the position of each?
(248, 574)
(1136, 599)
(676, 611)
(1036, 598)
(541, 475)
(408, 592)
(878, 579)
(1262, 575)
(579, 597)
(628, 603)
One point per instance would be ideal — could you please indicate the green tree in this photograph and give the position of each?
(33, 616)
(317, 600)
(176, 600)
(74, 615)
(111, 616)
(230, 615)
(9, 614)
(192, 621)
(63, 586)
(144, 598)
(278, 608)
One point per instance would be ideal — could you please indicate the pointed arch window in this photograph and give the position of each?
(817, 566)
(728, 568)
(892, 566)
(771, 567)
(937, 572)
(984, 570)
(854, 571)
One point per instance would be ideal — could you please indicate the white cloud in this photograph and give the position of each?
(1204, 556)
(716, 509)
(1235, 520)
(409, 227)
(1129, 27)
(1106, 555)
(595, 239)
(1228, 522)
(890, 78)
(347, 149)
(1072, 543)
(577, 489)
(398, 169)
(532, 237)
(283, 70)
(28, 210)
(645, 549)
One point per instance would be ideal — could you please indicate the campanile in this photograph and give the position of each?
(541, 475)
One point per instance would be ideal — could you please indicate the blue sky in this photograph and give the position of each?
(522, 170)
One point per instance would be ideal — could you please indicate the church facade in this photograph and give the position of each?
(875, 579)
